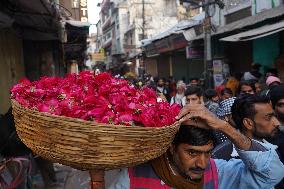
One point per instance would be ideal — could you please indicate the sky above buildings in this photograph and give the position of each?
(93, 14)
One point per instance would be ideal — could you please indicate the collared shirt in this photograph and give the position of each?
(259, 168)
(255, 169)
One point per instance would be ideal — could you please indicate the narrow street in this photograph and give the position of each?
(173, 93)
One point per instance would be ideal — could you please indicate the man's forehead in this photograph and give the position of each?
(192, 96)
(202, 148)
(246, 86)
(263, 108)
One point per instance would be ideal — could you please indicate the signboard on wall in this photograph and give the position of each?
(98, 56)
(163, 45)
(151, 50)
(178, 41)
(194, 51)
(83, 11)
(217, 66)
(218, 72)
(75, 4)
(218, 79)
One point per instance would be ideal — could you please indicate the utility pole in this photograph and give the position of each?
(143, 19)
(208, 66)
(143, 36)
(143, 27)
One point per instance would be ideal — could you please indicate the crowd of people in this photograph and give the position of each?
(231, 136)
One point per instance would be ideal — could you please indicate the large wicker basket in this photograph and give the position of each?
(86, 145)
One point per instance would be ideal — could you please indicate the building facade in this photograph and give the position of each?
(242, 33)
(240, 16)
(29, 44)
(75, 30)
(125, 24)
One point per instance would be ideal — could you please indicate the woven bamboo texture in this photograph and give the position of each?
(87, 145)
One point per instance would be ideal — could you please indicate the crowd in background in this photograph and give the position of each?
(252, 102)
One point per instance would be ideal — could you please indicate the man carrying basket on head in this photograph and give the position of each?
(187, 163)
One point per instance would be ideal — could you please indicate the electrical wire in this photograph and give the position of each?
(64, 9)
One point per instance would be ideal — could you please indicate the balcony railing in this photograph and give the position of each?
(107, 43)
(106, 23)
(235, 5)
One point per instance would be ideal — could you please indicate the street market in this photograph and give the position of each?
(136, 94)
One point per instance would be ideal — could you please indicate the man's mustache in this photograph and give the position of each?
(197, 169)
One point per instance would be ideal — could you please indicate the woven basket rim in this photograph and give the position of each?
(16, 103)
(33, 130)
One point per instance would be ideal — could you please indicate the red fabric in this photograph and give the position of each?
(219, 89)
(210, 175)
(140, 182)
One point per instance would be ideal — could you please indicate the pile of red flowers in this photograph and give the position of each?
(100, 98)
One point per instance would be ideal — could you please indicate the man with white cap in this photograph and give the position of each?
(271, 82)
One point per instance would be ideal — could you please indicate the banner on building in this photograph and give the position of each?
(218, 79)
(217, 66)
(98, 57)
(163, 45)
(195, 51)
(151, 50)
(178, 41)
(218, 72)
(83, 11)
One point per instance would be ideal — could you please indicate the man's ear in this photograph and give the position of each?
(248, 124)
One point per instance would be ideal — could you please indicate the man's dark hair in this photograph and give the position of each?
(247, 83)
(193, 90)
(193, 136)
(276, 94)
(255, 66)
(243, 107)
(226, 90)
(161, 78)
(273, 71)
(210, 93)
(194, 78)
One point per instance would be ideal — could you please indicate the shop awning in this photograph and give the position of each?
(78, 24)
(249, 21)
(256, 33)
(31, 20)
(5, 20)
